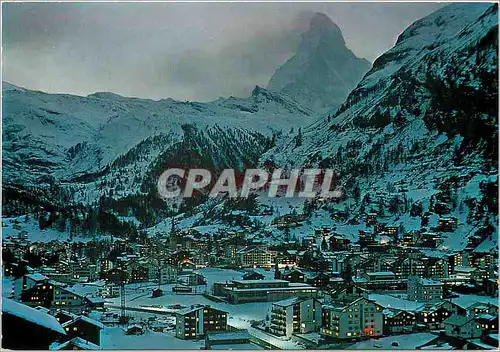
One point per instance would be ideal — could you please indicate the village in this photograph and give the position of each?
(229, 290)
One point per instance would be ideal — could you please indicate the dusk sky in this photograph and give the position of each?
(187, 51)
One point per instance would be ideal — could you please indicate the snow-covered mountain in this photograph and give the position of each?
(106, 144)
(323, 71)
(420, 129)
(67, 136)
(414, 141)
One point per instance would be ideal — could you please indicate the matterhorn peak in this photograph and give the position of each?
(323, 70)
(322, 21)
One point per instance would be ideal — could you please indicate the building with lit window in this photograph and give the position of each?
(420, 289)
(241, 291)
(194, 322)
(432, 316)
(168, 274)
(360, 318)
(68, 300)
(295, 315)
(85, 328)
(255, 256)
(460, 326)
(398, 321)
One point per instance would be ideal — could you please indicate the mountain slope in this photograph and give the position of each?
(420, 128)
(60, 149)
(323, 71)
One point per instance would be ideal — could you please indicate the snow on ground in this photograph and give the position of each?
(34, 233)
(444, 346)
(240, 315)
(406, 342)
(114, 338)
(281, 343)
(389, 301)
(468, 300)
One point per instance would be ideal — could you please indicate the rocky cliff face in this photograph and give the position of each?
(323, 71)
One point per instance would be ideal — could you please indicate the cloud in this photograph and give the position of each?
(193, 51)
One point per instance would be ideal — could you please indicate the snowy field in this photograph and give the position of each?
(114, 338)
(240, 315)
(390, 301)
(35, 234)
(407, 342)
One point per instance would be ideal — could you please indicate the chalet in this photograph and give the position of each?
(488, 323)
(379, 228)
(371, 219)
(338, 243)
(380, 276)
(410, 238)
(187, 266)
(28, 281)
(291, 275)
(75, 343)
(85, 328)
(94, 302)
(320, 280)
(460, 326)
(105, 264)
(63, 316)
(483, 308)
(25, 328)
(138, 273)
(116, 276)
(39, 295)
(134, 329)
(447, 224)
(309, 242)
(157, 292)
(253, 275)
(398, 321)
(429, 239)
(432, 316)
(392, 231)
(287, 258)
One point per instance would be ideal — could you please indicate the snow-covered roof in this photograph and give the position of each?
(229, 335)
(289, 302)
(95, 300)
(458, 320)
(31, 314)
(85, 319)
(426, 282)
(76, 341)
(483, 345)
(37, 277)
(486, 316)
(381, 273)
(237, 346)
(42, 309)
(464, 269)
(271, 281)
